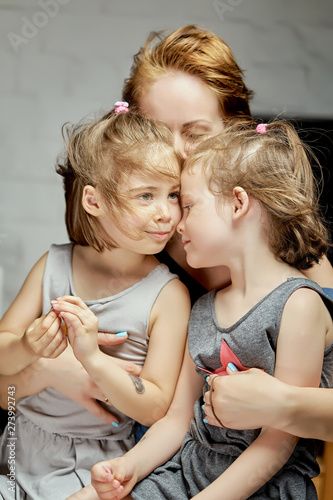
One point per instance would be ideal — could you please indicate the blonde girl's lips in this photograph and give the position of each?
(160, 235)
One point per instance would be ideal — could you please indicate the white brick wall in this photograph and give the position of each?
(61, 59)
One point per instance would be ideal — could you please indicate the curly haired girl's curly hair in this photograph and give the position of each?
(275, 169)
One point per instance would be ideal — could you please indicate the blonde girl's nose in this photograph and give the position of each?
(163, 212)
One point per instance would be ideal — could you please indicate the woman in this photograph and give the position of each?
(190, 81)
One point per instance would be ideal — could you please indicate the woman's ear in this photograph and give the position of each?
(240, 202)
(90, 201)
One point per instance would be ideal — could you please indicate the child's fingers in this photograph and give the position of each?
(102, 472)
(46, 343)
(106, 491)
(72, 322)
(106, 477)
(41, 325)
(71, 299)
(86, 316)
(53, 342)
(60, 348)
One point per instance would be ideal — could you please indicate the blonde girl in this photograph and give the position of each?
(121, 179)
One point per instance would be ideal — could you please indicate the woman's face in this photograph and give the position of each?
(186, 106)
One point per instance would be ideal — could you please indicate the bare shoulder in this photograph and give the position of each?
(173, 304)
(28, 303)
(306, 307)
(173, 293)
(305, 300)
(35, 276)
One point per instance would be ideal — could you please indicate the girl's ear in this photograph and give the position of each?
(90, 201)
(240, 202)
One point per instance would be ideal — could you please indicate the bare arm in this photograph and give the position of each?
(67, 376)
(116, 478)
(145, 398)
(23, 338)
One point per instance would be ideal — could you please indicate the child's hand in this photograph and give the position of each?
(81, 325)
(44, 337)
(113, 478)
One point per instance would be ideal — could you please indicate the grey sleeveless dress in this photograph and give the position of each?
(207, 451)
(57, 440)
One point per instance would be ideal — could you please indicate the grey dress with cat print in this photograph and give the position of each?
(207, 451)
(58, 440)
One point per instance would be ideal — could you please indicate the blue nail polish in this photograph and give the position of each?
(205, 421)
(203, 407)
(121, 334)
(232, 367)
(207, 378)
(115, 424)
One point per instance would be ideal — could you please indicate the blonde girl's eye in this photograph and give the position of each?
(174, 196)
(146, 196)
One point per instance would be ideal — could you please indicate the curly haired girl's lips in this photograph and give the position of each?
(186, 242)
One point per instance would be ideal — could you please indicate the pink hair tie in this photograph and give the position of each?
(121, 107)
(261, 128)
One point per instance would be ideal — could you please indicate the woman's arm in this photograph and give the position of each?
(145, 398)
(65, 374)
(298, 361)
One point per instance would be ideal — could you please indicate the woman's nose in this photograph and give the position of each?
(180, 145)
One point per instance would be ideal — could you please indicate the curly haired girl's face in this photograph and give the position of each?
(206, 230)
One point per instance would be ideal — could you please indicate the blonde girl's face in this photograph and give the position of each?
(153, 218)
(186, 106)
(205, 230)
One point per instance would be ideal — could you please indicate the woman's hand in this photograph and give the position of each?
(244, 400)
(67, 376)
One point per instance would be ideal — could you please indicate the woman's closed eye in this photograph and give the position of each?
(196, 134)
(195, 137)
